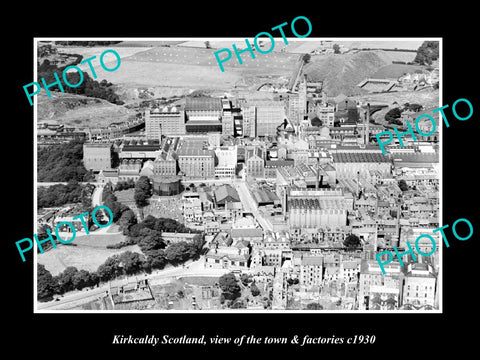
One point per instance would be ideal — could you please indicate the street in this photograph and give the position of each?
(249, 204)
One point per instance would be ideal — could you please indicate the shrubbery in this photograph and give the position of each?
(88, 87)
(427, 53)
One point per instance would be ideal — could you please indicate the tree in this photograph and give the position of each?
(229, 286)
(238, 304)
(126, 220)
(207, 44)
(153, 241)
(402, 184)
(336, 48)
(65, 279)
(254, 289)
(45, 284)
(427, 53)
(291, 281)
(393, 114)
(110, 268)
(352, 242)
(61, 163)
(42, 235)
(245, 279)
(180, 252)
(316, 122)
(131, 262)
(59, 194)
(81, 279)
(306, 58)
(314, 306)
(156, 258)
(143, 191)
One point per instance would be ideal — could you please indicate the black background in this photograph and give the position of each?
(91, 334)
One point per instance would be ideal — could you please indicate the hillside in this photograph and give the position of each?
(77, 110)
(394, 71)
(342, 73)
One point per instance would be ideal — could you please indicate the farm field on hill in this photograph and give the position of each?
(179, 70)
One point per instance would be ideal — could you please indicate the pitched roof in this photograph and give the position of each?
(226, 192)
(245, 233)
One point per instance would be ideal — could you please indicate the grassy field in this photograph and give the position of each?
(89, 253)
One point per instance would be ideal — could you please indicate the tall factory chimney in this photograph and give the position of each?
(367, 128)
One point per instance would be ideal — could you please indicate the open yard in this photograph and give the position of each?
(165, 206)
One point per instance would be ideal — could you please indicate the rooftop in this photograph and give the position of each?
(312, 261)
(226, 192)
(203, 103)
(140, 148)
(356, 157)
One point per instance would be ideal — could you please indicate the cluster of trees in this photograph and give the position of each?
(124, 185)
(412, 107)
(247, 280)
(291, 281)
(155, 256)
(42, 234)
(352, 242)
(254, 289)
(336, 49)
(62, 163)
(59, 194)
(314, 306)
(316, 122)
(143, 191)
(402, 62)
(230, 288)
(110, 200)
(163, 225)
(427, 53)
(88, 87)
(69, 279)
(402, 184)
(393, 115)
(148, 235)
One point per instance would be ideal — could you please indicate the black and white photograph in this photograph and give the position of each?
(234, 181)
(292, 181)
